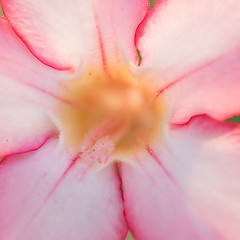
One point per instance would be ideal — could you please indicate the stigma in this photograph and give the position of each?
(114, 106)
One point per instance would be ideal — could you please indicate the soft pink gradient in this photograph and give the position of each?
(82, 27)
(198, 194)
(48, 194)
(184, 186)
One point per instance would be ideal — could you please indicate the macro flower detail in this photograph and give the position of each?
(93, 145)
(110, 104)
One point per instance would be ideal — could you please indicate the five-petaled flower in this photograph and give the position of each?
(77, 112)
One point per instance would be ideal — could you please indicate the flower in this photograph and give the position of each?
(76, 111)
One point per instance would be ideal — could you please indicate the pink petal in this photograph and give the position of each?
(61, 33)
(28, 93)
(22, 75)
(179, 36)
(188, 187)
(213, 89)
(23, 126)
(50, 194)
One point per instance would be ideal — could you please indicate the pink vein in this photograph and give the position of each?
(103, 55)
(62, 177)
(54, 188)
(160, 91)
(48, 93)
(36, 87)
(157, 160)
(168, 174)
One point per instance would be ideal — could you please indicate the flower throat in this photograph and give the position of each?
(111, 105)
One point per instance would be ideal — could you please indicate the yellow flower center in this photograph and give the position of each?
(113, 105)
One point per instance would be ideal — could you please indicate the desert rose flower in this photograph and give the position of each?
(77, 112)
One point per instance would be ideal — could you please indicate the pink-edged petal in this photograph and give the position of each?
(29, 91)
(187, 187)
(61, 33)
(23, 126)
(22, 75)
(50, 194)
(213, 89)
(179, 36)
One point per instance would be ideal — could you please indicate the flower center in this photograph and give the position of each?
(115, 106)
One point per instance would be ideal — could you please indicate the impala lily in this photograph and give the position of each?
(76, 110)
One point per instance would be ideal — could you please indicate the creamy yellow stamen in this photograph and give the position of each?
(114, 105)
